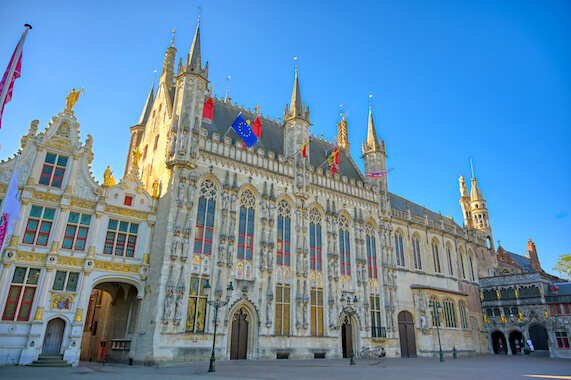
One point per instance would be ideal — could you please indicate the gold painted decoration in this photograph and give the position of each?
(78, 315)
(59, 146)
(117, 267)
(136, 157)
(71, 262)
(129, 213)
(146, 258)
(108, 177)
(47, 197)
(31, 257)
(82, 204)
(72, 98)
(39, 314)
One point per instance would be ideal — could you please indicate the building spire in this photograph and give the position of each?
(296, 109)
(148, 105)
(372, 143)
(193, 61)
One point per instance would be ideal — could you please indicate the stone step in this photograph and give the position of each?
(60, 364)
(540, 353)
(50, 361)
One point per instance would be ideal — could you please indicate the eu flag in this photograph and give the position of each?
(244, 131)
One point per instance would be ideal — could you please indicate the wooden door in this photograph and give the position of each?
(54, 337)
(538, 335)
(406, 335)
(239, 339)
(346, 338)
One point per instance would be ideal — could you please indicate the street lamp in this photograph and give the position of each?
(217, 303)
(436, 310)
(348, 309)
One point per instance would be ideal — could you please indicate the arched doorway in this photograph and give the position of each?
(239, 338)
(346, 337)
(499, 343)
(538, 336)
(406, 335)
(54, 337)
(516, 342)
(112, 316)
(475, 334)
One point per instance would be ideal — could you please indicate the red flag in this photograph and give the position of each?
(12, 73)
(257, 127)
(334, 157)
(333, 169)
(304, 149)
(16, 75)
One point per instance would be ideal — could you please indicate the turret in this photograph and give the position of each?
(296, 122)
(374, 154)
(343, 134)
(533, 258)
(138, 130)
(465, 203)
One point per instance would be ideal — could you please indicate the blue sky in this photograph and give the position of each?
(451, 80)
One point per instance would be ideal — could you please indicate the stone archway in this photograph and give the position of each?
(112, 317)
(499, 343)
(516, 342)
(538, 336)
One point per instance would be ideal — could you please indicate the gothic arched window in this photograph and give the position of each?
(315, 240)
(436, 255)
(246, 226)
(284, 233)
(463, 319)
(344, 247)
(205, 218)
(371, 250)
(449, 313)
(462, 262)
(449, 252)
(399, 248)
(416, 252)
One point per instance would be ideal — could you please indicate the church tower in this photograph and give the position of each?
(475, 211)
(296, 122)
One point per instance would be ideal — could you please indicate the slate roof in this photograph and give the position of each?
(522, 261)
(273, 138)
(399, 203)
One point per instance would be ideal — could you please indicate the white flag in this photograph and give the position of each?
(11, 208)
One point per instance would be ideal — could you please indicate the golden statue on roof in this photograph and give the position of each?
(108, 177)
(136, 157)
(71, 99)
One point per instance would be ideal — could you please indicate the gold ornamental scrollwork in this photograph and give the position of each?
(3, 188)
(82, 204)
(71, 262)
(128, 213)
(117, 267)
(60, 146)
(38, 195)
(39, 314)
(31, 257)
(78, 315)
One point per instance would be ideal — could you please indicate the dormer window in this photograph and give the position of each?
(53, 170)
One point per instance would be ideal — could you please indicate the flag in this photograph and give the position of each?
(256, 128)
(333, 169)
(244, 131)
(12, 73)
(304, 149)
(10, 207)
(379, 173)
(334, 157)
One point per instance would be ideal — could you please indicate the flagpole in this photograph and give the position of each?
(14, 63)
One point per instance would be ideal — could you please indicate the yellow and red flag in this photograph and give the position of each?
(304, 149)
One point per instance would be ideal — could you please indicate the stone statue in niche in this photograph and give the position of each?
(224, 200)
(168, 307)
(230, 253)
(174, 246)
(179, 307)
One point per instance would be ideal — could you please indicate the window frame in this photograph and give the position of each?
(283, 248)
(283, 310)
(399, 249)
(22, 291)
(41, 221)
(316, 311)
(196, 316)
(51, 177)
(77, 227)
(204, 227)
(126, 243)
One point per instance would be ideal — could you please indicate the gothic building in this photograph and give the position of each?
(321, 262)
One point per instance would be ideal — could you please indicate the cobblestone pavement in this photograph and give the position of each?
(484, 367)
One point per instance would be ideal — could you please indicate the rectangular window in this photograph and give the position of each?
(246, 234)
(39, 225)
(316, 312)
(282, 252)
(377, 331)
(463, 318)
(145, 152)
(196, 305)
(204, 226)
(75, 236)
(53, 170)
(315, 246)
(128, 200)
(562, 340)
(371, 256)
(21, 294)
(156, 142)
(66, 281)
(567, 308)
(121, 238)
(555, 309)
(282, 309)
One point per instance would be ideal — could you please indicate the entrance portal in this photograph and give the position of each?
(54, 337)
(239, 340)
(346, 337)
(406, 335)
(538, 335)
(499, 343)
